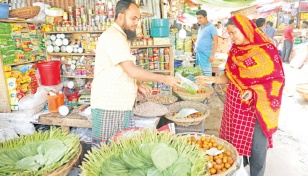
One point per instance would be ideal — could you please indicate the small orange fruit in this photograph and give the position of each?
(227, 165)
(218, 171)
(228, 153)
(218, 161)
(213, 171)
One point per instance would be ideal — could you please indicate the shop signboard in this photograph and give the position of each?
(303, 7)
(245, 11)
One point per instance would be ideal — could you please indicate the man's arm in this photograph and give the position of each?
(140, 74)
(215, 45)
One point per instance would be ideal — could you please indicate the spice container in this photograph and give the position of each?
(150, 41)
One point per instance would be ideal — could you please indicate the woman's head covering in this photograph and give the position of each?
(248, 28)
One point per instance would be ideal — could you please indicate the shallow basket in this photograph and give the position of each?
(66, 168)
(196, 97)
(302, 89)
(219, 141)
(25, 12)
(176, 107)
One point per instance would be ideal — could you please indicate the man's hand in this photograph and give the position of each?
(144, 88)
(171, 81)
(211, 58)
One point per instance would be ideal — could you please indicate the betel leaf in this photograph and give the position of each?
(7, 157)
(182, 167)
(49, 143)
(30, 149)
(153, 171)
(53, 150)
(31, 163)
(163, 156)
(138, 172)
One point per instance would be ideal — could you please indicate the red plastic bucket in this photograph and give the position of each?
(49, 73)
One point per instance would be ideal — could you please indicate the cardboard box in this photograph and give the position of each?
(161, 41)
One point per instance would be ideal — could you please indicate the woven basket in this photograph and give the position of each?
(25, 12)
(196, 97)
(302, 89)
(65, 169)
(176, 107)
(219, 141)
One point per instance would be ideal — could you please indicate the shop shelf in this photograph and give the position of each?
(22, 63)
(74, 32)
(71, 54)
(66, 76)
(150, 46)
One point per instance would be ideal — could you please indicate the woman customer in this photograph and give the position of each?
(256, 79)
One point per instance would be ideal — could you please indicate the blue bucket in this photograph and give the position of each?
(159, 32)
(4, 10)
(160, 23)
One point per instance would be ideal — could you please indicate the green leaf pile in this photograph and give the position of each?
(37, 154)
(148, 154)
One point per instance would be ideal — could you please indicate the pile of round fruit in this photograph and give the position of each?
(194, 115)
(219, 163)
(200, 91)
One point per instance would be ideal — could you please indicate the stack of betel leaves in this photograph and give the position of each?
(37, 154)
(146, 154)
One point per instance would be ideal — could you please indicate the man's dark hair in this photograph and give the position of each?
(306, 22)
(260, 22)
(202, 12)
(218, 22)
(271, 23)
(291, 21)
(122, 6)
(268, 22)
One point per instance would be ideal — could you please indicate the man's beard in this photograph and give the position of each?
(131, 35)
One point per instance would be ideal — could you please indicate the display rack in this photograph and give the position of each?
(170, 71)
(4, 93)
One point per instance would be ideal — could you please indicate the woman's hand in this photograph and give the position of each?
(205, 79)
(247, 95)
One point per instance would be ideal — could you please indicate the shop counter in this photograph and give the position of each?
(71, 120)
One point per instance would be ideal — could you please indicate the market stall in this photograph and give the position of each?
(46, 73)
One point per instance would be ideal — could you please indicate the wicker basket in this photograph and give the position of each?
(221, 91)
(176, 107)
(196, 97)
(25, 12)
(65, 169)
(219, 141)
(302, 89)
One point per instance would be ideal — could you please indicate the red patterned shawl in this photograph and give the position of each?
(257, 67)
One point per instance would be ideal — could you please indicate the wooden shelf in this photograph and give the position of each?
(71, 54)
(74, 32)
(19, 20)
(150, 46)
(22, 63)
(67, 76)
(71, 120)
